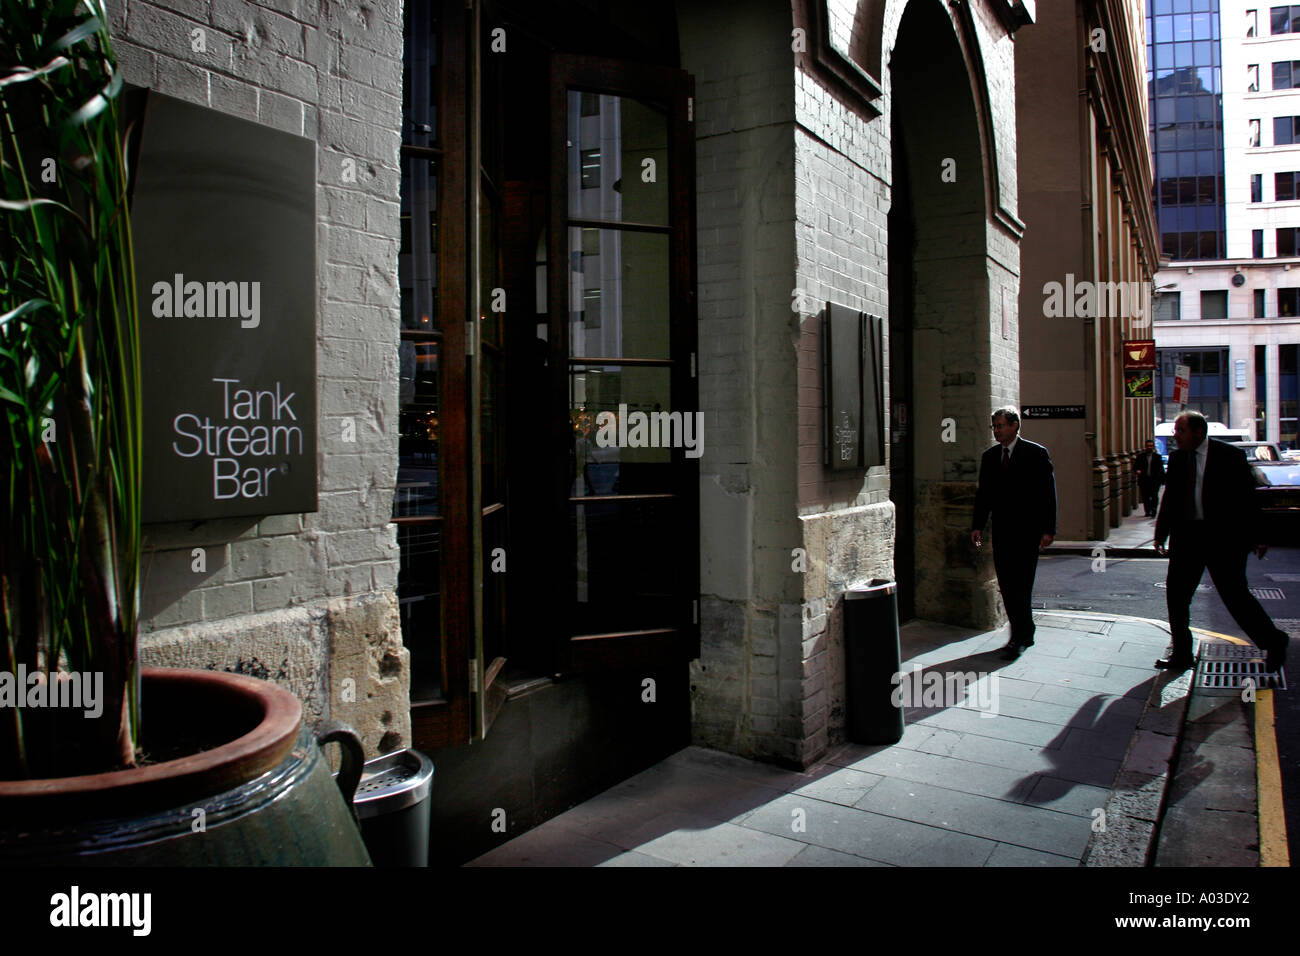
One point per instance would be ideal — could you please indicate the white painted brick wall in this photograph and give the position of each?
(329, 71)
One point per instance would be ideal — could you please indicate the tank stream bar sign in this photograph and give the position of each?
(224, 225)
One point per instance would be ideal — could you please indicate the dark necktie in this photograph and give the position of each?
(1006, 457)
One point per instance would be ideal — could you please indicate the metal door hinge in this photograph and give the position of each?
(690, 109)
(473, 674)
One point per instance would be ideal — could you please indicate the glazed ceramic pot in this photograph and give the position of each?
(249, 787)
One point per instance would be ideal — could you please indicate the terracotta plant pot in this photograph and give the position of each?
(252, 788)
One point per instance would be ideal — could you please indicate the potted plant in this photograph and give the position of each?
(205, 776)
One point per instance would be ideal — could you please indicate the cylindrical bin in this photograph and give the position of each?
(392, 804)
(872, 663)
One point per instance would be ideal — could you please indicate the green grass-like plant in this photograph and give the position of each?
(70, 408)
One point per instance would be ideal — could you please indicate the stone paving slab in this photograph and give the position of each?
(922, 767)
(821, 856)
(872, 836)
(1007, 855)
(1019, 824)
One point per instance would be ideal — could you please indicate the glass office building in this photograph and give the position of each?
(1186, 101)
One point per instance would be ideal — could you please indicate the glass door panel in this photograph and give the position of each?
(628, 574)
(617, 159)
(619, 293)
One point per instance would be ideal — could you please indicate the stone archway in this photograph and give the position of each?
(953, 292)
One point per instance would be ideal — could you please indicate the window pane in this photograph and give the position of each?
(1280, 19)
(618, 161)
(419, 599)
(618, 300)
(629, 451)
(417, 455)
(1214, 305)
(417, 262)
(626, 565)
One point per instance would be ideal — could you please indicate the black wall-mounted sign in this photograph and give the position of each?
(1052, 411)
(853, 386)
(224, 227)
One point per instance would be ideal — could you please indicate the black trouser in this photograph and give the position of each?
(1015, 556)
(1150, 495)
(1191, 551)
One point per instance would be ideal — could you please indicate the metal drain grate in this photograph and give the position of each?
(1268, 594)
(1231, 674)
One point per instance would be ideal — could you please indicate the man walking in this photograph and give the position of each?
(1018, 488)
(1150, 471)
(1209, 509)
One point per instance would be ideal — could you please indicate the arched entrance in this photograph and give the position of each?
(952, 289)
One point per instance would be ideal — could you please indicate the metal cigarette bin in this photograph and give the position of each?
(872, 659)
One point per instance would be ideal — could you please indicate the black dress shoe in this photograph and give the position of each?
(1175, 663)
(1012, 651)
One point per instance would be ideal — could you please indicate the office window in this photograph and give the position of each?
(1257, 187)
(1259, 303)
(1287, 379)
(1261, 392)
(1288, 302)
(1257, 243)
(1252, 22)
(1285, 129)
(1286, 242)
(1208, 369)
(1284, 19)
(1167, 307)
(1214, 304)
(1286, 186)
(1286, 74)
(1252, 78)
(1253, 133)
(590, 168)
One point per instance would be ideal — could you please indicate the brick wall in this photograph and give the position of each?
(793, 200)
(308, 600)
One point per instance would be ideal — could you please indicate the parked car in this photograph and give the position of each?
(1277, 485)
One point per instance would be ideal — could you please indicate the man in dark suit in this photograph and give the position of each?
(1150, 471)
(1211, 512)
(1018, 488)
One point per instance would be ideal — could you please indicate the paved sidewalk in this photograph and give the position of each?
(1133, 538)
(1084, 727)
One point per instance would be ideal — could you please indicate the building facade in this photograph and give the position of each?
(535, 223)
(1085, 176)
(1233, 318)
